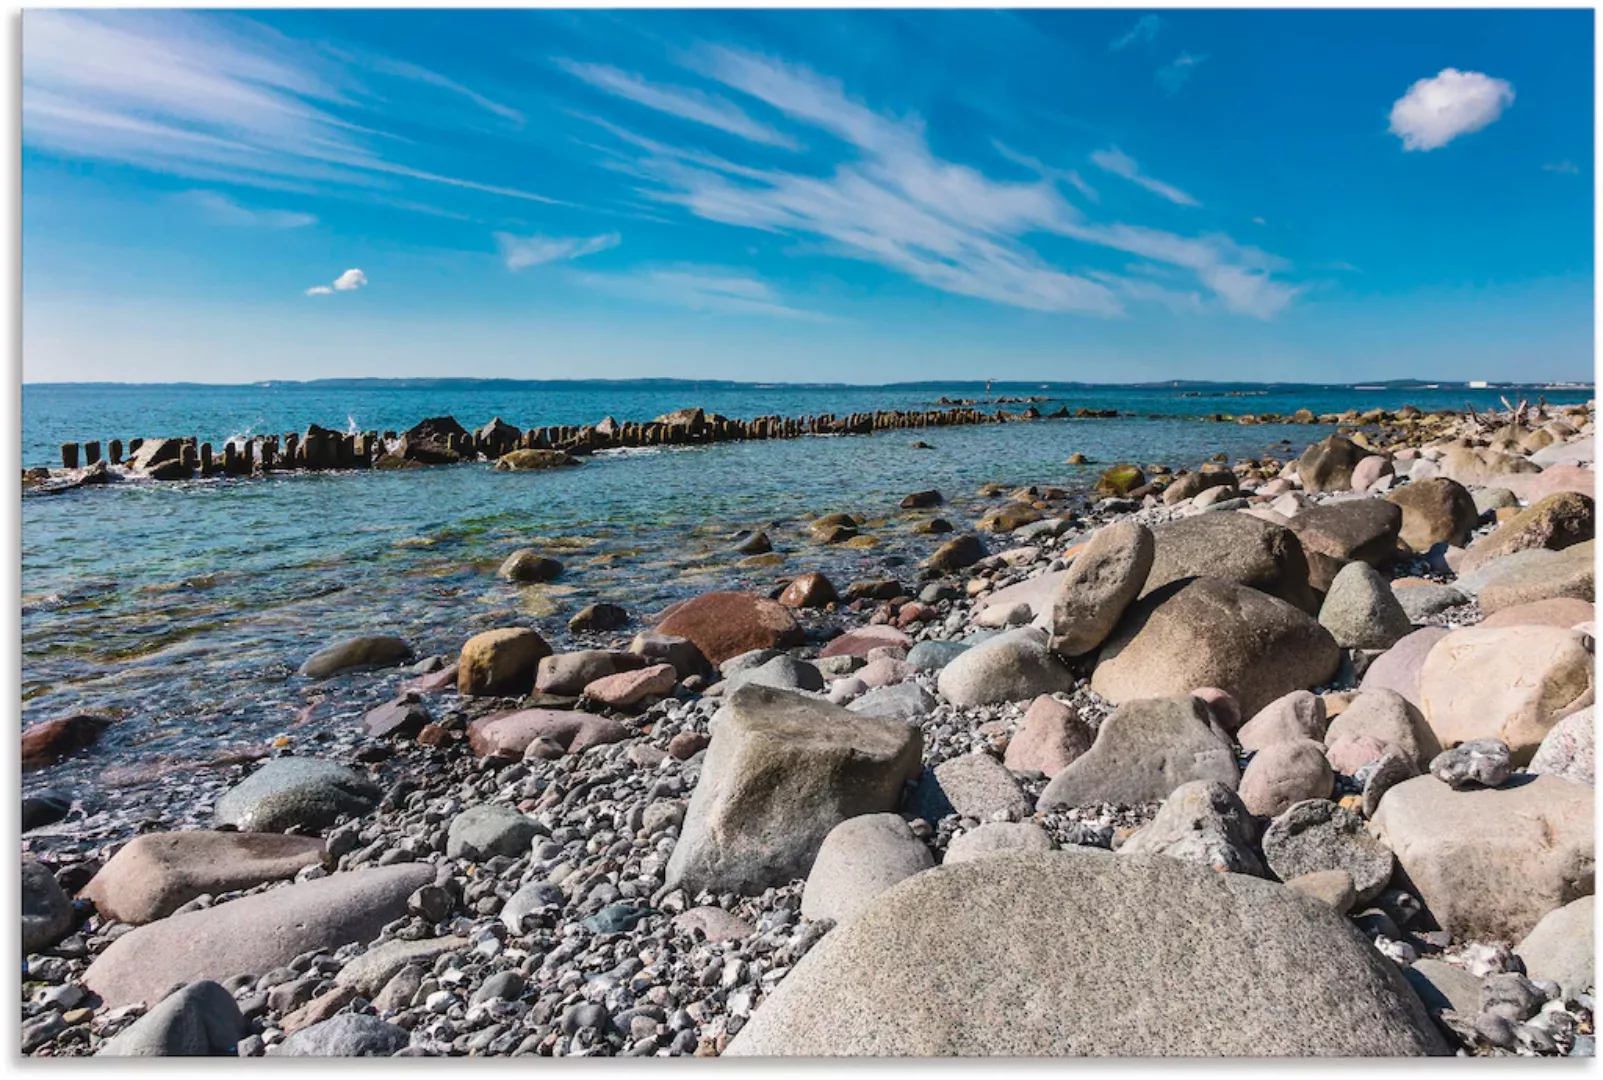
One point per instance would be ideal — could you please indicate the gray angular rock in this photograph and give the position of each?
(1568, 750)
(782, 672)
(1333, 887)
(291, 791)
(934, 655)
(1334, 534)
(1232, 547)
(998, 838)
(47, 914)
(346, 1035)
(1559, 948)
(970, 785)
(1143, 752)
(783, 770)
(1075, 953)
(1442, 986)
(906, 701)
(1361, 611)
(1490, 863)
(483, 832)
(859, 859)
(1203, 822)
(1420, 602)
(1477, 763)
(373, 650)
(1208, 632)
(201, 1020)
(1328, 464)
(1319, 835)
(1101, 582)
(1009, 667)
(569, 673)
(253, 934)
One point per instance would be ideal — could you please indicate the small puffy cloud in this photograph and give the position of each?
(1565, 167)
(521, 252)
(346, 282)
(1436, 111)
(1145, 29)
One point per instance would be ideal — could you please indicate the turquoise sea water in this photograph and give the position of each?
(185, 608)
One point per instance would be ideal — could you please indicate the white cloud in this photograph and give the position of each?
(1565, 167)
(702, 288)
(1145, 29)
(349, 281)
(1119, 163)
(1177, 72)
(892, 202)
(208, 96)
(525, 251)
(693, 105)
(1436, 111)
(225, 211)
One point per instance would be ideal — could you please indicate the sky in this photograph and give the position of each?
(819, 196)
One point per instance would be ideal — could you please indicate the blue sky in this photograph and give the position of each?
(808, 195)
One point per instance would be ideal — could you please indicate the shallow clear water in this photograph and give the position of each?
(185, 608)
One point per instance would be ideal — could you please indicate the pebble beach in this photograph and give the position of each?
(1284, 753)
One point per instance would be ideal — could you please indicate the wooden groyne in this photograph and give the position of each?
(442, 440)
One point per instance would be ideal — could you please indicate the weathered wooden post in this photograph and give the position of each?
(134, 445)
(206, 463)
(292, 443)
(114, 451)
(69, 455)
(189, 454)
(91, 452)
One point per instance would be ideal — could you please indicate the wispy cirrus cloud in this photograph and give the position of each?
(211, 97)
(1565, 167)
(891, 201)
(521, 252)
(222, 210)
(687, 104)
(701, 288)
(1177, 72)
(1119, 163)
(1145, 30)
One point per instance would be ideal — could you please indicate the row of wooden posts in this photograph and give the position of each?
(322, 448)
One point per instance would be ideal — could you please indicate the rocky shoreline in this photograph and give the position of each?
(1256, 758)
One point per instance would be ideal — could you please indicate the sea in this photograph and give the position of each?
(182, 610)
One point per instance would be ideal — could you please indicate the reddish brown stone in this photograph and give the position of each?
(808, 591)
(726, 624)
(687, 744)
(47, 743)
(858, 642)
(509, 734)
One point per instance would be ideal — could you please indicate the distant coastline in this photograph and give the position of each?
(432, 383)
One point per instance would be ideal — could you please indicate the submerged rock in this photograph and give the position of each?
(374, 650)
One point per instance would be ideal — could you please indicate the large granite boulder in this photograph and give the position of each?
(1554, 523)
(1435, 511)
(1101, 582)
(1204, 822)
(1144, 751)
(1479, 467)
(1361, 611)
(1490, 862)
(290, 791)
(155, 874)
(1075, 953)
(1535, 574)
(254, 934)
(1511, 683)
(1231, 547)
(1009, 667)
(1352, 530)
(1328, 464)
(783, 770)
(726, 624)
(1397, 669)
(1207, 632)
(1391, 720)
